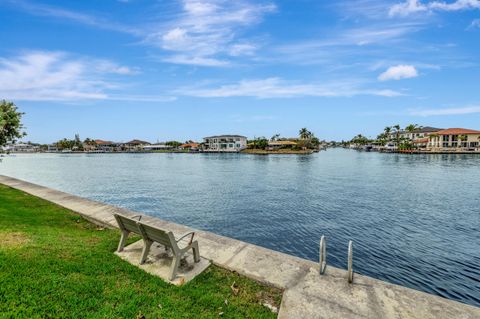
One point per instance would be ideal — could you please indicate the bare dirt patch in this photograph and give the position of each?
(13, 240)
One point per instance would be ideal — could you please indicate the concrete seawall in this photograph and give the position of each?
(307, 294)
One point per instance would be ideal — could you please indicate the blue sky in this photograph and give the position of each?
(163, 70)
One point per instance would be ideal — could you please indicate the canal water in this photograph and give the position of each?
(414, 219)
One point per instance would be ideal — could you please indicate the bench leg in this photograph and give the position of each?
(123, 239)
(146, 248)
(196, 252)
(174, 267)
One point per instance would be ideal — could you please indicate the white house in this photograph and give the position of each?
(157, 147)
(24, 148)
(225, 143)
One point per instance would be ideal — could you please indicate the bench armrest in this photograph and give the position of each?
(185, 235)
(139, 217)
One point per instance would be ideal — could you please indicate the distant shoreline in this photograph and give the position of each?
(246, 151)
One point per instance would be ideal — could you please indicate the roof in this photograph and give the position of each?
(421, 140)
(427, 129)
(221, 136)
(457, 131)
(137, 142)
(193, 145)
(280, 143)
(102, 142)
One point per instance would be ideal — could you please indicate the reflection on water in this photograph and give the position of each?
(414, 219)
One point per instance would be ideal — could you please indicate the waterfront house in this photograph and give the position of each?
(189, 146)
(107, 146)
(135, 145)
(23, 148)
(157, 147)
(225, 143)
(419, 133)
(455, 139)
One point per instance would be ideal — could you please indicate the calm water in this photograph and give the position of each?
(414, 220)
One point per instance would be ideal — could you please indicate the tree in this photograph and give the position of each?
(412, 128)
(275, 137)
(397, 133)
(360, 140)
(260, 143)
(11, 127)
(387, 130)
(304, 134)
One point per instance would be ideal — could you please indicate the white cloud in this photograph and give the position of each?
(242, 49)
(474, 25)
(57, 76)
(195, 60)
(278, 88)
(407, 7)
(447, 111)
(398, 72)
(415, 6)
(207, 32)
(51, 11)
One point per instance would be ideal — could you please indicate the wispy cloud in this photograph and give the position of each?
(398, 72)
(416, 6)
(207, 32)
(474, 25)
(58, 76)
(51, 11)
(279, 88)
(446, 111)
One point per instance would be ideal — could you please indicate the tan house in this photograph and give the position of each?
(455, 139)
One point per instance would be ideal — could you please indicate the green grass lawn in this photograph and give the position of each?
(54, 264)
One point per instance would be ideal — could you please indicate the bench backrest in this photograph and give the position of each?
(127, 224)
(158, 235)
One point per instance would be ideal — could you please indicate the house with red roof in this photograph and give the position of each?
(190, 146)
(455, 139)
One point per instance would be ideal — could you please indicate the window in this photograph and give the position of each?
(445, 144)
(454, 138)
(445, 138)
(230, 145)
(454, 144)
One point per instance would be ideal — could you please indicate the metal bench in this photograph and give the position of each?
(151, 234)
(127, 225)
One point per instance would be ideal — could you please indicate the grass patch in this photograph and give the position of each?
(54, 264)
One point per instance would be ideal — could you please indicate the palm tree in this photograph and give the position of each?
(304, 134)
(275, 137)
(387, 130)
(397, 133)
(412, 128)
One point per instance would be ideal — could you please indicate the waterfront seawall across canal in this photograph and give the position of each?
(307, 294)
